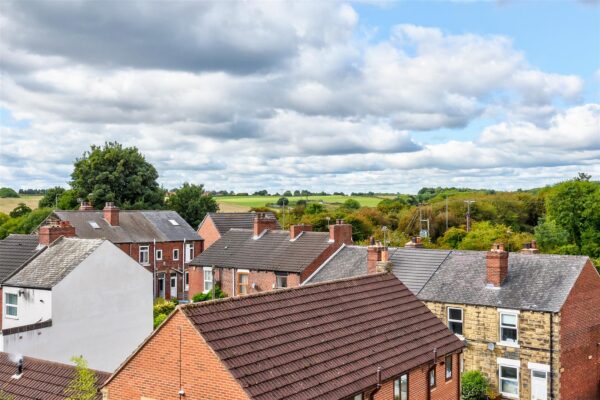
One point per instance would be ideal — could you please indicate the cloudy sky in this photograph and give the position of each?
(318, 95)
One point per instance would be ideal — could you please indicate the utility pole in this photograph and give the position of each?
(423, 232)
(469, 214)
(446, 212)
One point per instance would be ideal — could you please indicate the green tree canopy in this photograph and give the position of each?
(283, 201)
(351, 204)
(51, 197)
(118, 174)
(20, 210)
(192, 202)
(8, 192)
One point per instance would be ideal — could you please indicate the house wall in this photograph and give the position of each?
(34, 305)
(155, 371)
(481, 327)
(101, 310)
(264, 280)
(209, 232)
(580, 338)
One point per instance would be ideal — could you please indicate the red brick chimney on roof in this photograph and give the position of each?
(497, 265)
(415, 242)
(340, 232)
(530, 248)
(85, 206)
(296, 230)
(49, 233)
(377, 256)
(263, 222)
(111, 213)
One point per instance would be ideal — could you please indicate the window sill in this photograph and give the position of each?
(510, 395)
(11, 317)
(509, 344)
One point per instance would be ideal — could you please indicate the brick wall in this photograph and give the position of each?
(209, 232)
(580, 338)
(264, 280)
(155, 370)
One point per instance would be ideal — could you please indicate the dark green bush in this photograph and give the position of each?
(8, 192)
(219, 294)
(474, 386)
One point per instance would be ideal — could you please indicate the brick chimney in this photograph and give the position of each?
(530, 248)
(296, 230)
(262, 222)
(415, 242)
(497, 265)
(111, 213)
(340, 232)
(49, 233)
(85, 206)
(377, 258)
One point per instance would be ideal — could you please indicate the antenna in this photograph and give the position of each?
(469, 202)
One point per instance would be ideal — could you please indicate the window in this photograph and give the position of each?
(208, 279)
(144, 255)
(358, 397)
(189, 252)
(175, 254)
(159, 255)
(455, 320)
(401, 388)
(173, 222)
(432, 378)
(12, 303)
(281, 280)
(242, 283)
(94, 224)
(186, 278)
(509, 328)
(448, 364)
(509, 381)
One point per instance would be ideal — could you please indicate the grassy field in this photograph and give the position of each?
(244, 203)
(8, 204)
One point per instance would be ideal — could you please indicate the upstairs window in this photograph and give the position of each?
(144, 257)
(175, 254)
(159, 254)
(189, 252)
(448, 364)
(509, 328)
(242, 283)
(208, 279)
(432, 382)
(11, 301)
(281, 280)
(401, 388)
(455, 320)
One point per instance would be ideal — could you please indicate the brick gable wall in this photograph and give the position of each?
(209, 232)
(580, 338)
(154, 372)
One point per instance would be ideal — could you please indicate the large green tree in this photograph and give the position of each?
(51, 197)
(192, 202)
(118, 174)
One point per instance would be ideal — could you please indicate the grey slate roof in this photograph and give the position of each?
(273, 251)
(226, 221)
(539, 282)
(54, 263)
(14, 251)
(134, 226)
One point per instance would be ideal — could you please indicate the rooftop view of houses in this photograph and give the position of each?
(299, 200)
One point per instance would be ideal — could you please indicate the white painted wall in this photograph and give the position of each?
(101, 310)
(33, 305)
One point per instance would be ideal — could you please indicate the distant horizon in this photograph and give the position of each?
(382, 97)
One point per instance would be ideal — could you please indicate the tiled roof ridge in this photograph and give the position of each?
(184, 307)
(56, 363)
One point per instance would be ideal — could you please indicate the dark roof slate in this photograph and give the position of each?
(14, 251)
(273, 251)
(40, 380)
(54, 263)
(226, 221)
(321, 341)
(134, 226)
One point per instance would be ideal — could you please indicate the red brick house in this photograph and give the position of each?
(245, 261)
(160, 240)
(215, 225)
(360, 338)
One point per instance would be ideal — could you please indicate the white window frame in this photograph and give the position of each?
(186, 281)
(501, 326)
(8, 305)
(281, 275)
(146, 250)
(159, 254)
(189, 252)
(398, 387)
(207, 272)
(508, 363)
(461, 321)
(237, 282)
(175, 254)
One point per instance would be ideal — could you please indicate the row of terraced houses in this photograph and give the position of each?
(309, 315)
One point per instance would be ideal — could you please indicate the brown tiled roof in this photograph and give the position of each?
(273, 251)
(322, 341)
(226, 221)
(40, 379)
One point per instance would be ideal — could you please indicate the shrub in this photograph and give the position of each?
(219, 294)
(159, 319)
(474, 386)
(20, 210)
(161, 306)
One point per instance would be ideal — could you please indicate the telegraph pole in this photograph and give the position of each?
(469, 214)
(446, 212)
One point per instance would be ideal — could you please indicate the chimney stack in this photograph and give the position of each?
(340, 232)
(111, 213)
(296, 230)
(49, 233)
(377, 258)
(497, 265)
(262, 223)
(530, 248)
(86, 206)
(415, 242)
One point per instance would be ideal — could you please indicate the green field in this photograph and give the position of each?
(8, 204)
(241, 203)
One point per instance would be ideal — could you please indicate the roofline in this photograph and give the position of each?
(434, 272)
(58, 363)
(201, 222)
(30, 259)
(323, 264)
(542, 310)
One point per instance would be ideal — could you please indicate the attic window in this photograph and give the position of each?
(94, 224)
(173, 222)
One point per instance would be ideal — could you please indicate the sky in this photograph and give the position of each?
(334, 96)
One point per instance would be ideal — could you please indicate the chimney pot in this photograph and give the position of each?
(49, 233)
(85, 206)
(111, 213)
(296, 230)
(497, 265)
(262, 223)
(340, 232)
(415, 242)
